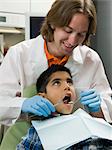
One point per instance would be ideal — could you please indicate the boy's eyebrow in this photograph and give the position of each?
(58, 79)
(70, 79)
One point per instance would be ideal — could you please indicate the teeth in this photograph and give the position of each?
(71, 102)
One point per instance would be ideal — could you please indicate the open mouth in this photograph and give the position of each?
(67, 99)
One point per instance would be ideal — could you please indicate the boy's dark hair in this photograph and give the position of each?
(44, 78)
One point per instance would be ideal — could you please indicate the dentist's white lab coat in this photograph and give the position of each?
(25, 61)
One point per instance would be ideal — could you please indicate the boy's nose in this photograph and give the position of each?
(67, 87)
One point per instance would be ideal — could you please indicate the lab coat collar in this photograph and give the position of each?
(80, 53)
(78, 56)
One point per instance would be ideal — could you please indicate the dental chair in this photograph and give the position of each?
(15, 133)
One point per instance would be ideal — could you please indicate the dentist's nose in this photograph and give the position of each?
(73, 39)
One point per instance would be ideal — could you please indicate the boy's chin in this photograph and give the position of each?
(65, 112)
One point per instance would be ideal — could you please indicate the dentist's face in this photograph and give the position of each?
(68, 37)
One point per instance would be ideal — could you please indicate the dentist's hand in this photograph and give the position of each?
(91, 99)
(38, 105)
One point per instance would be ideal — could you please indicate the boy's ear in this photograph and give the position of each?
(41, 94)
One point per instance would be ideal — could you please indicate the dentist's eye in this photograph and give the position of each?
(67, 30)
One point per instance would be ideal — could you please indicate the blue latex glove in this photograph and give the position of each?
(38, 105)
(91, 99)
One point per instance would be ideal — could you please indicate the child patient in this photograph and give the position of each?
(56, 85)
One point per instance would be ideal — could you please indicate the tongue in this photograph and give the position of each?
(65, 101)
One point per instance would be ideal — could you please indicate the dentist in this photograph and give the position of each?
(64, 39)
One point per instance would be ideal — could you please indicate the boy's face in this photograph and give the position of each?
(60, 87)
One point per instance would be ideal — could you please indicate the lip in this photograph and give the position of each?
(67, 98)
(67, 45)
(68, 49)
